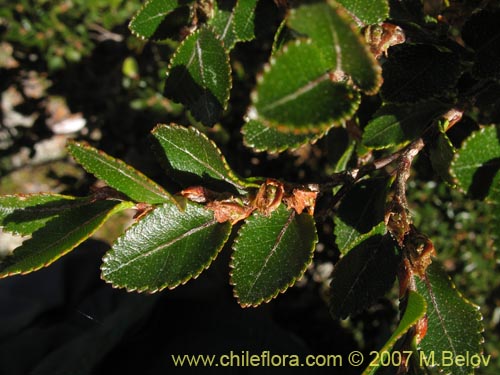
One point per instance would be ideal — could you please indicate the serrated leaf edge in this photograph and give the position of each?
(457, 154)
(278, 291)
(159, 190)
(233, 178)
(291, 147)
(136, 34)
(194, 276)
(119, 207)
(252, 113)
(226, 54)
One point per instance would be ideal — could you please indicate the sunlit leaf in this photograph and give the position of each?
(166, 248)
(192, 157)
(147, 20)
(301, 98)
(477, 162)
(59, 236)
(368, 12)
(268, 138)
(270, 254)
(454, 324)
(118, 174)
(335, 35)
(415, 309)
(25, 213)
(199, 76)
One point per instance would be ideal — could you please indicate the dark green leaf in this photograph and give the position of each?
(166, 248)
(199, 76)
(368, 12)
(24, 214)
(118, 175)
(59, 236)
(361, 210)
(454, 324)
(270, 254)
(417, 72)
(267, 138)
(189, 151)
(394, 125)
(343, 49)
(477, 162)
(301, 98)
(414, 311)
(149, 18)
(366, 273)
(441, 154)
(234, 21)
(482, 32)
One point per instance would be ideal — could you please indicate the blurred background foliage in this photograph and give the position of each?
(71, 69)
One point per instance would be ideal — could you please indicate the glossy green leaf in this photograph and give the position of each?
(166, 248)
(298, 97)
(197, 158)
(336, 37)
(361, 210)
(199, 76)
(415, 309)
(270, 254)
(147, 20)
(366, 12)
(59, 236)
(118, 174)
(25, 213)
(268, 138)
(234, 21)
(366, 273)
(454, 324)
(477, 161)
(394, 125)
(417, 72)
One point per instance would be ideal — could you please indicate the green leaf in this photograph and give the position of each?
(334, 34)
(147, 20)
(199, 76)
(454, 324)
(298, 97)
(267, 138)
(190, 152)
(59, 236)
(366, 273)
(25, 213)
(477, 161)
(417, 72)
(361, 210)
(414, 311)
(270, 254)
(118, 174)
(234, 21)
(393, 125)
(441, 152)
(166, 248)
(367, 12)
